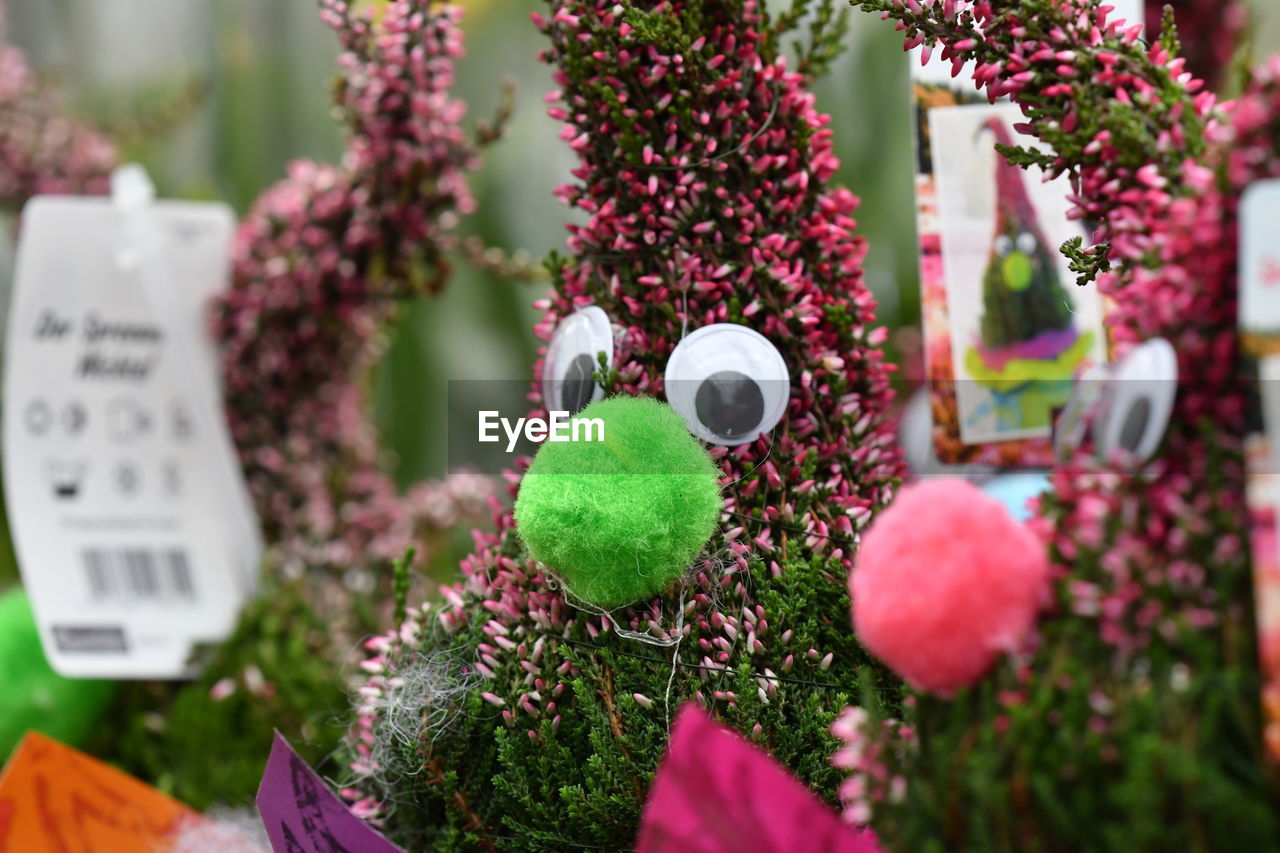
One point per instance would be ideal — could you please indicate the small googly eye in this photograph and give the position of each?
(1003, 245)
(1026, 243)
(729, 383)
(573, 356)
(1073, 424)
(1140, 399)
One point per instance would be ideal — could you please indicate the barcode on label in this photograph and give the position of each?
(138, 574)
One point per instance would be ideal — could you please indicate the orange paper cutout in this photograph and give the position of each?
(54, 799)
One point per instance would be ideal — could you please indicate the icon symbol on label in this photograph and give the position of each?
(189, 232)
(127, 420)
(183, 426)
(74, 417)
(128, 480)
(171, 476)
(66, 477)
(38, 417)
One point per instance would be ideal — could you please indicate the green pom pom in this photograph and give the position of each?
(36, 697)
(621, 519)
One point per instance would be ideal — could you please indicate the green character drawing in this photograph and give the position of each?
(1028, 347)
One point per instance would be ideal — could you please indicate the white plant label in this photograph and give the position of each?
(1260, 259)
(132, 523)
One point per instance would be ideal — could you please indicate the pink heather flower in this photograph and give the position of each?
(42, 150)
(1179, 283)
(222, 689)
(1209, 30)
(863, 753)
(320, 263)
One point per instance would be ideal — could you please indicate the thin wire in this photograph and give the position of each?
(767, 453)
(657, 249)
(554, 582)
(826, 685)
(675, 659)
(671, 167)
(567, 843)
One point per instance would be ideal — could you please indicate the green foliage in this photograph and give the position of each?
(827, 31)
(1087, 263)
(489, 780)
(205, 751)
(401, 581)
(37, 698)
(1079, 757)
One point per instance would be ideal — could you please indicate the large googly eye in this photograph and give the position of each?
(1073, 423)
(1026, 243)
(573, 356)
(915, 434)
(1003, 245)
(1140, 398)
(728, 383)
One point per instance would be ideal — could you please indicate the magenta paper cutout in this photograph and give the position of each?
(716, 793)
(302, 815)
(1046, 346)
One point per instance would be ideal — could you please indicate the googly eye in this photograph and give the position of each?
(915, 436)
(1003, 245)
(729, 383)
(572, 358)
(1140, 398)
(1073, 424)
(1026, 243)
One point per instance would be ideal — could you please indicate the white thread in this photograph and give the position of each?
(418, 703)
(219, 830)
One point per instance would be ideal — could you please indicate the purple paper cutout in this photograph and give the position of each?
(1046, 346)
(716, 793)
(302, 815)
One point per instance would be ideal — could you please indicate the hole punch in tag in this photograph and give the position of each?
(1124, 406)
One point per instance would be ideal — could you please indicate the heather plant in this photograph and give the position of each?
(320, 266)
(1132, 722)
(508, 714)
(205, 742)
(1212, 31)
(42, 148)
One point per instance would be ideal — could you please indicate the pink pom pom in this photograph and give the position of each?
(946, 581)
